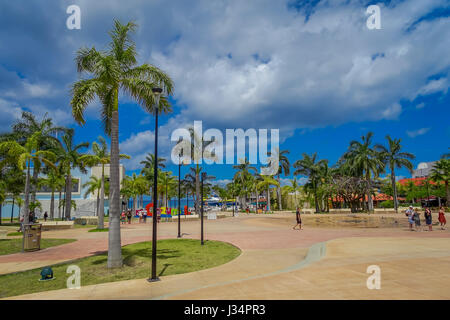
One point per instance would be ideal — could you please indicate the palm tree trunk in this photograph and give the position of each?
(101, 205)
(316, 200)
(34, 185)
(97, 203)
(59, 204)
(268, 199)
(64, 207)
(447, 191)
(52, 205)
(280, 207)
(114, 241)
(369, 195)
(26, 205)
(12, 210)
(68, 200)
(394, 188)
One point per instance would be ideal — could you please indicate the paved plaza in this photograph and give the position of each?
(276, 262)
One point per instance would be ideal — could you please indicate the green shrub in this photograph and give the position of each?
(387, 204)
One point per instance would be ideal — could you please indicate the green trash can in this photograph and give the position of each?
(32, 237)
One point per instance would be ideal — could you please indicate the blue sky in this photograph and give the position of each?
(309, 68)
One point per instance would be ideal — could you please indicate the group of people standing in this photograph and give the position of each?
(127, 215)
(414, 218)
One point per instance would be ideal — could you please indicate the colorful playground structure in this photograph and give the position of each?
(164, 212)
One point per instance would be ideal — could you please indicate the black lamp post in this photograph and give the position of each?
(201, 212)
(153, 278)
(179, 197)
(167, 194)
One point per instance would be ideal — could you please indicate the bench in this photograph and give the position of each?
(89, 220)
(57, 225)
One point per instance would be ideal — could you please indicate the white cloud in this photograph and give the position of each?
(141, 143)
(287, 181)
(37, 90)
(392, 112)
(420, 106)
(221, 182)
(419, 132)
(10, 112)
(434, 86)
(329, 70)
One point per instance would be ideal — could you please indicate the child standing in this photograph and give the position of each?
(441, 218)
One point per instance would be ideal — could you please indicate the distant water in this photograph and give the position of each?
(173, 203)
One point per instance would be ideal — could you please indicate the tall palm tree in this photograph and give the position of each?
(221, 193)
(242, 175)
(93, 186)
(112, 71)
(294, 187)
(365, 162)
(54, 181)
(283, 167)
(394, 158)
(149, 165)
(23, 156)
(266, 182)
(101, 157)
(233, 191)
(310, 167)
(198, 145)
(149, 161)
(69, 157)
(25, 127)
(168, 184)
(441, 173)
(2, 197)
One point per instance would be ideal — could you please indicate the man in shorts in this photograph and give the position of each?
(299, 219)
(410, 214)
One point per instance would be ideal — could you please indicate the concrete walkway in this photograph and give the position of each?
(276, 263)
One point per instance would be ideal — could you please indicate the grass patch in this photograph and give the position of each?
(9, 246)
(174, 256)
(9, 224)
(99, 230)
(13, 234)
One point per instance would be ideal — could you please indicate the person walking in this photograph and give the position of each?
(410, 214)
(298, 218)
(123, 217)
(144, 215)
(45, 216)
(428, 219)
(417, 220)
(129, 216)
(441, 218)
